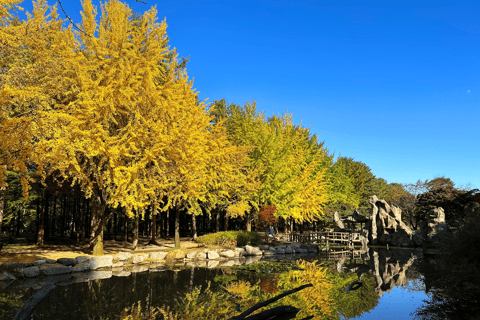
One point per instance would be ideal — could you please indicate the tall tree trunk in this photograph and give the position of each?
(84, 220)
(194, 227)
(217, 221)
(64, 210)
(153, 229)
(50, 228)
(41, 228)
(177, 226)
(125, 237)
(97, 222)
(135, 234)
(78, 223)
(160, 225)
(167, 225)
(225, 223)
(19, 222)
(115, 226)
(248, 223)
(38, 216)
(73, 231)
(2, 205)
(2, 202)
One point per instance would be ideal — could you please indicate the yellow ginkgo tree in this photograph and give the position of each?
(289, 161)
(117, 134)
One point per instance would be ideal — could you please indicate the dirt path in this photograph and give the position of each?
(28, 253)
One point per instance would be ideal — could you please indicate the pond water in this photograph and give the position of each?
(391, 288)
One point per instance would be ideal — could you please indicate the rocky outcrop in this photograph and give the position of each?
(386, 225)
(435, 224)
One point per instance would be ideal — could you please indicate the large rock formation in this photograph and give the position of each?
(386, 225)
(435, 224)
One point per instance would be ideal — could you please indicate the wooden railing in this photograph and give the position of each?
(348, 238)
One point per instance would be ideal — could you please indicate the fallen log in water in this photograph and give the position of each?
(26, 311)
(277, 313)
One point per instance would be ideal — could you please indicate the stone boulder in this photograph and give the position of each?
(435, 224)
(39, 262)
(280, 251)
(101, 262)
(30, 272)
(211, 255)
(201, 255)
(240, 252)
(289, 250)
(227, 254)
(53, 269)
(82, 259)
(79, 267)
(158, 255)
(67, 261)
(139, 258)
(253, 251)
(191, 255)
(123, 256)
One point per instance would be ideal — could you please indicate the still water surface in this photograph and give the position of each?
(393, 288)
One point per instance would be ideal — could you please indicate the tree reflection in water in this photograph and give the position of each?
(185, 292)
(452, 277)
(325, 300)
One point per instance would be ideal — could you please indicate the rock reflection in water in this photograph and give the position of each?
(389, 267)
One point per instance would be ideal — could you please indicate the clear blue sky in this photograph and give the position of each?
(396, 86)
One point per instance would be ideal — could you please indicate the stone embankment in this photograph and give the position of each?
(83, 268)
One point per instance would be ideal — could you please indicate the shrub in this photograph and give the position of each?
(231, 238)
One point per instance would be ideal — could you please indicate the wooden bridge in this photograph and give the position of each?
(344, 254)
(345, 238)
